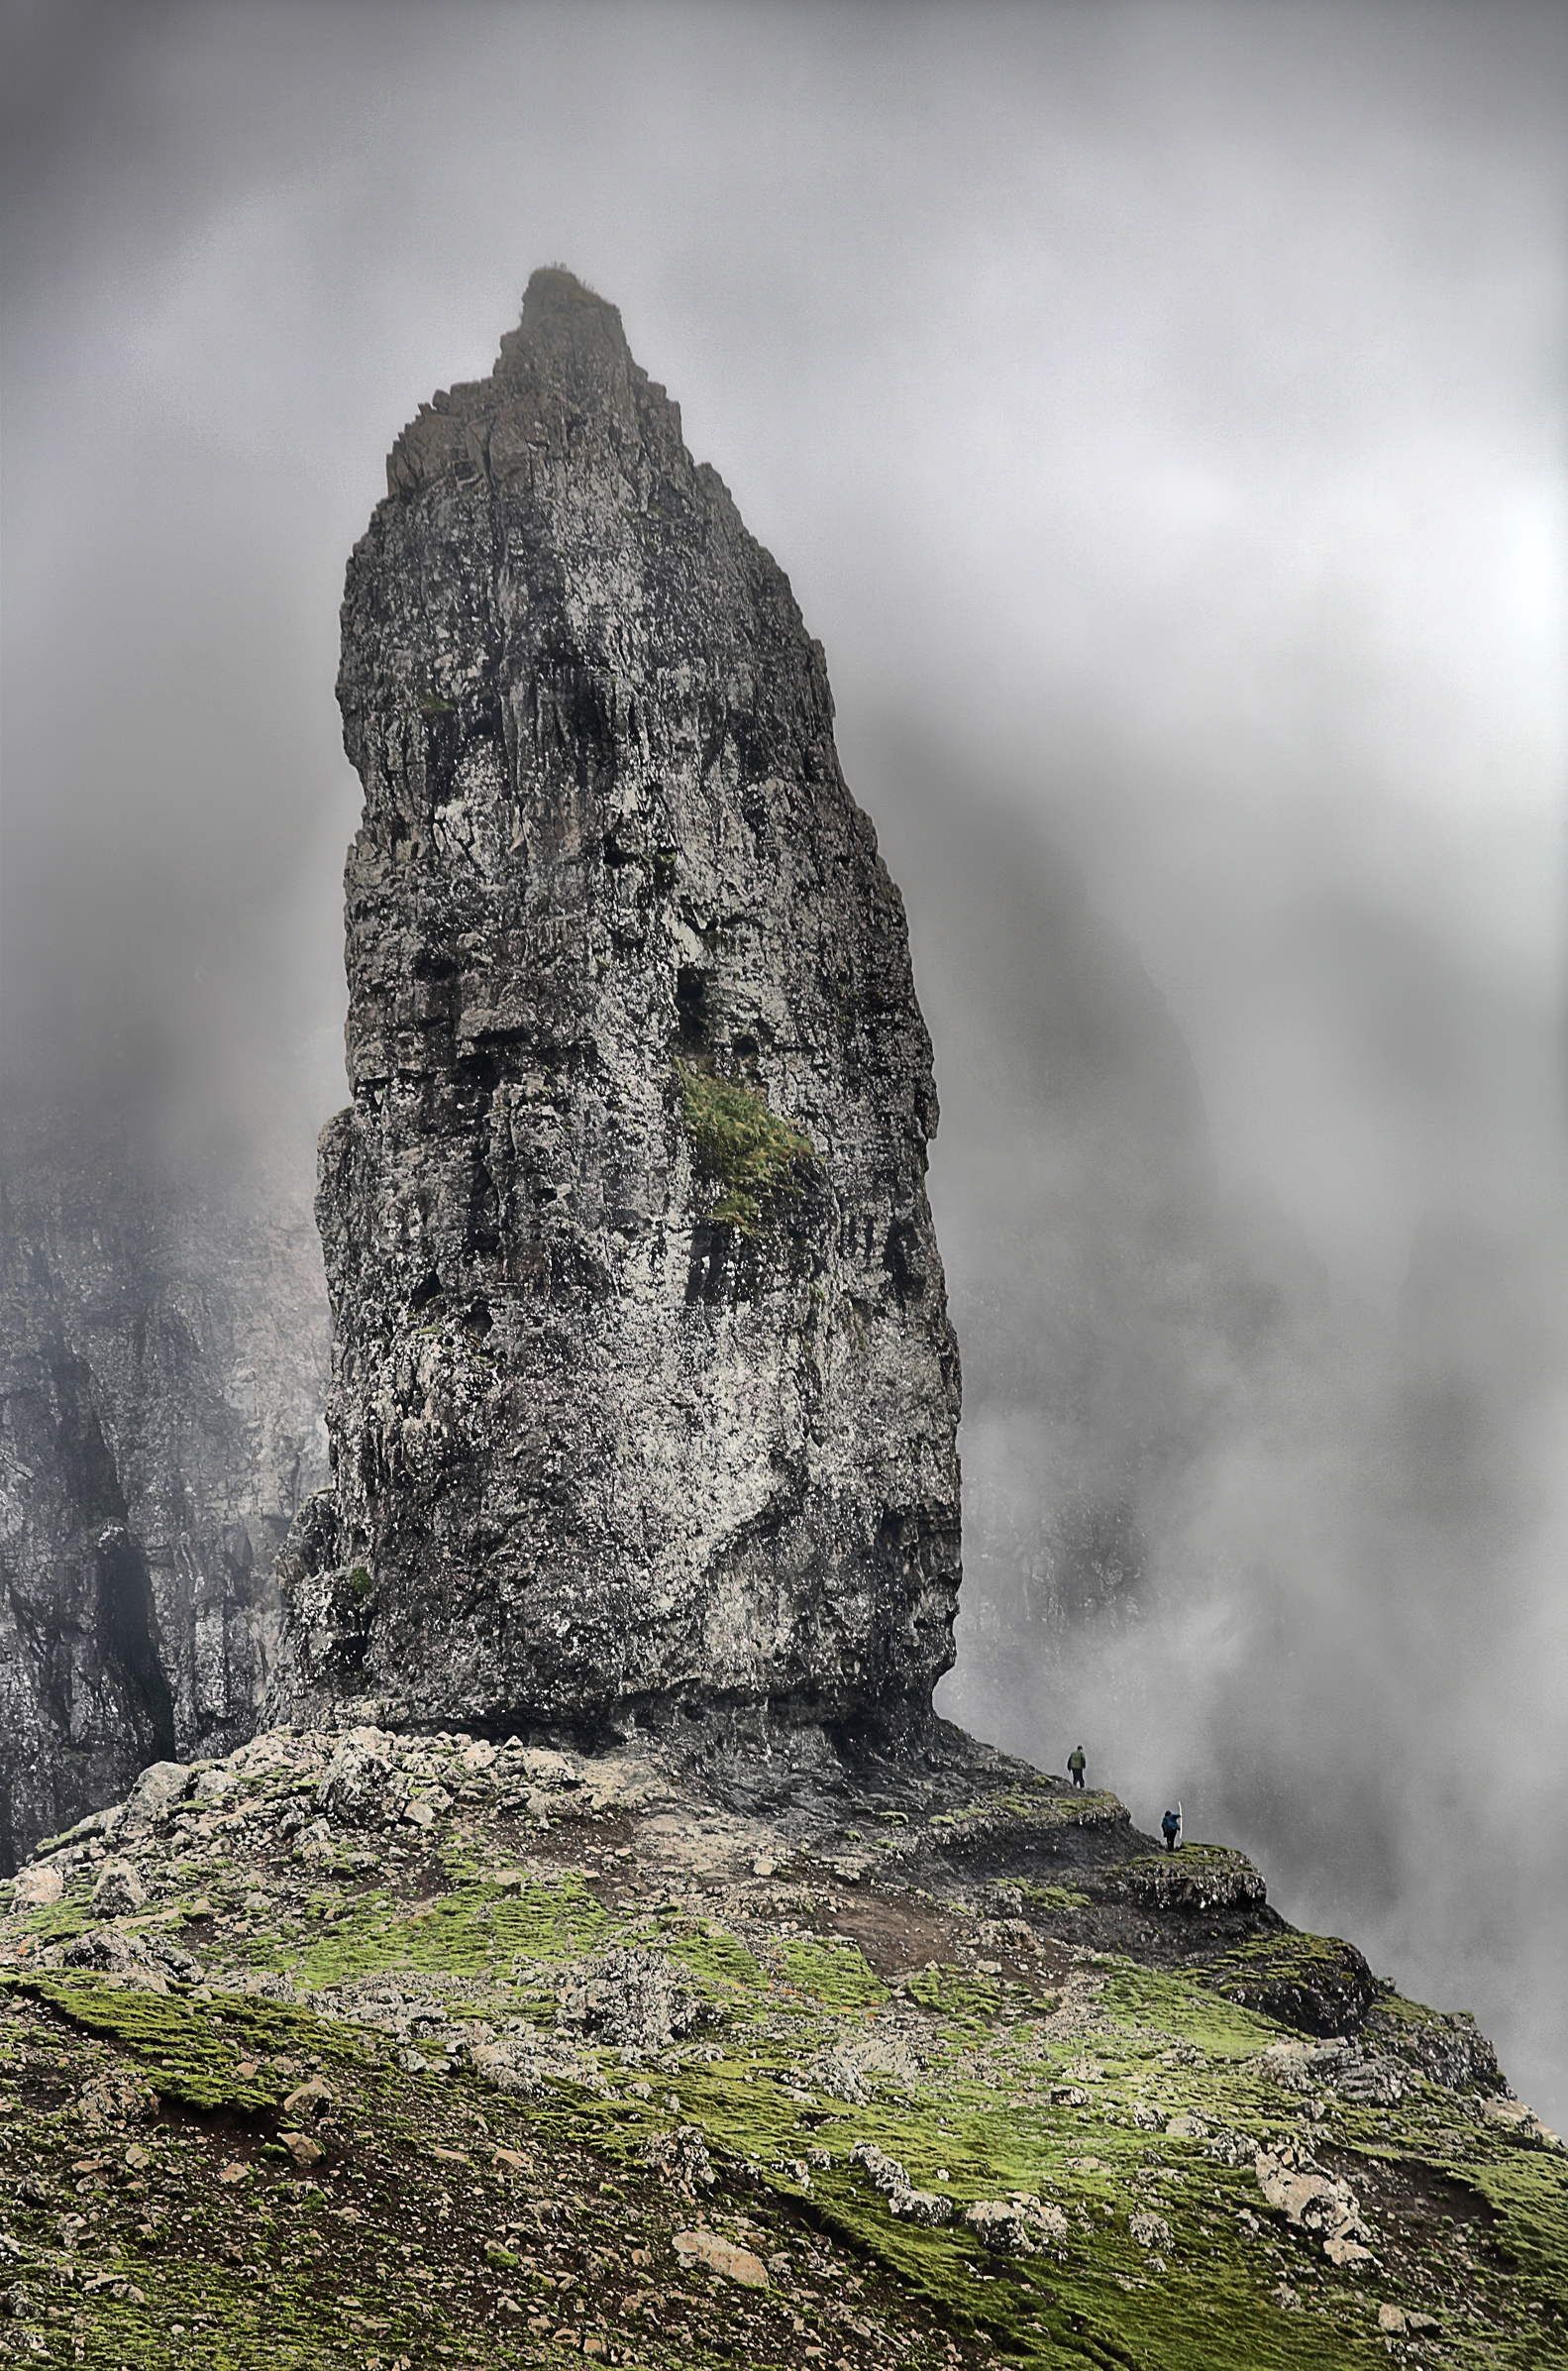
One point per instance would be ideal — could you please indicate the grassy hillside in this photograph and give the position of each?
(404, 2052)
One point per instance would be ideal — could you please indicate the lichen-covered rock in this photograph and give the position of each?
(1319, 1984)
(924, 2206)
(1446, 2046)
(145, 1963)
(1371, 2077)
(634, 1999)
(644, 1390)
(115, 2097)
(1203, 1877)
(358, 1784)
(1018, 2225)
(718, 2254)
(159, 1788)
(683, 2157)
(1516, 2118)
(119, 1891)
(38, 1887)
(1316, 2203)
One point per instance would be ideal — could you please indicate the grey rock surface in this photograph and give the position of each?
(162, 1356)
(644, 1391)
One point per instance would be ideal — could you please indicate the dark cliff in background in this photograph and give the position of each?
(163, 1332)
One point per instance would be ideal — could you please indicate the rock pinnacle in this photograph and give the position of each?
(644, 1393)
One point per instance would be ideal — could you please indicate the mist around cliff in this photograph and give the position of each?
(1267, 1547)
(1158, 414)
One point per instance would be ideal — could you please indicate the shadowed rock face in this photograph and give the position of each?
(619, 1417)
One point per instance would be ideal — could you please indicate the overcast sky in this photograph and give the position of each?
(1159, 411)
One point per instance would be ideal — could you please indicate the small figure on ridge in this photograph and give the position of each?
(1077, 1763)
(1171, 1828)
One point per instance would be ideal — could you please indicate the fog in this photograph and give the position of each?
(1159, 411)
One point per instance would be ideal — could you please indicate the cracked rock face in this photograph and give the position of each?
(644, 1390)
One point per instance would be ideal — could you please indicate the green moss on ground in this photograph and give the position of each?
(479, 1928)
(1527, 2188)
(452, 2219)
(836, 1975)
(1221, 1857)
(723, 1965)
(191, 2050)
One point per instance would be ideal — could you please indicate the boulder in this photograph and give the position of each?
(1316, 2203)
(37, 1886)
(158, 1788)
(924, 2207)
(717, 2254)
(683, 2157)
(119, 1891)
(1018, 2225)
(360, 1786)
(634, 1999)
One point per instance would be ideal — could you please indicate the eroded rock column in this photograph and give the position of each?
(644, 1389)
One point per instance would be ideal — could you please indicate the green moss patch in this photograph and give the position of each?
(191, 2050)
(836, 1975)
(719, 1962)
(749, 1157)
(1054, 1898)
(479, 1929)
(1529, 2187)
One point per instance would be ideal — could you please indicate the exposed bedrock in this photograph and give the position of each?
(644, 1390)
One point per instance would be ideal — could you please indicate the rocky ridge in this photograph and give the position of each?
(644, 1393)
(410, 2050)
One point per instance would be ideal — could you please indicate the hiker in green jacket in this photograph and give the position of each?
(1077, 1763)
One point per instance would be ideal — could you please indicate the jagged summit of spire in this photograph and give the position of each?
(561, 315)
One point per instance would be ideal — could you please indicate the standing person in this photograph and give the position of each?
(1171, 1828)
(1077, 1763)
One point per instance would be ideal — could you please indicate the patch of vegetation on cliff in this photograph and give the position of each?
(711, 1954)
(486, 2194)
(59, 1921)
(837, 1974)
(749, 1155)
(1527, 2188)
(1053, 1899)
(984, 2123)
(1045, 1810)
(1315, 1983)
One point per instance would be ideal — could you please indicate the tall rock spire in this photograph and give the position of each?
(644, 1391)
